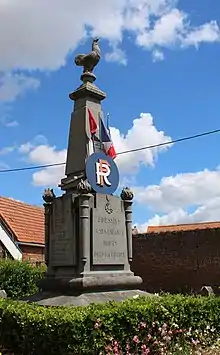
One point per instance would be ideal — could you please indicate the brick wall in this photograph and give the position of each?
(181, 261)
(32, 253)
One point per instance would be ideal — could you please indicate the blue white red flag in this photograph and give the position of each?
(106, 140)
(104, 136)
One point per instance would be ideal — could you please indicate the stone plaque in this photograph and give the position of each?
(109, 233)
(62, 239)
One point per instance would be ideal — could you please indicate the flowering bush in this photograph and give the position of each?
(164, 340)
(153, 325)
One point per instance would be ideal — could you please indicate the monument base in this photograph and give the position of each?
(88, 242)
(90, 283)
(84, 299)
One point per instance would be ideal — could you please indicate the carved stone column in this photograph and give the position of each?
(127, 197)
(48, 197)
(84, 189)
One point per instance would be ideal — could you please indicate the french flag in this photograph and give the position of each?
(105, 137)
(104, 134)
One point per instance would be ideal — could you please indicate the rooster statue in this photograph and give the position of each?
(89, 61)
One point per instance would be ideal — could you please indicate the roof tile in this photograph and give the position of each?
(182, 227)
(25, 221)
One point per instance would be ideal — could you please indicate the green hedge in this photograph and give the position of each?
(156, 325)
(18, 278)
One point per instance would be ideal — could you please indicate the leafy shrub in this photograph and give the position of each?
(154, 325)
(18, 278)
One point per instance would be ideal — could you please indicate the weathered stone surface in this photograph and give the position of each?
(3, 294)
(50, 299)
(62, 251)
(207, 291)
(109, 232)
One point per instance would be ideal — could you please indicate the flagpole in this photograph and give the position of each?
(107, 118)
(100, 134)
(93, 143)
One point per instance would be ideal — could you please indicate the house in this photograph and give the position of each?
(21, 230)
(183, 227)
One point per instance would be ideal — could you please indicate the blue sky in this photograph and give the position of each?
(160, 59)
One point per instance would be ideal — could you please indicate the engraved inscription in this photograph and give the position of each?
(62, 251)
(114, 255)
(58, 214)
(109, 239)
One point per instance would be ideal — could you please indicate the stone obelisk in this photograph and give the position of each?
(87, 96)
(88, 235)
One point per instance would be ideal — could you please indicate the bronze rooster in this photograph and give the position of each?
(89, 61)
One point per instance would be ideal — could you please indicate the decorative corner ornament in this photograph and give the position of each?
(48, 195)
(127, 194)
(84, 187)
(108, 206)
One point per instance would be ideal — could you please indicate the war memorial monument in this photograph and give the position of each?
(88, 230)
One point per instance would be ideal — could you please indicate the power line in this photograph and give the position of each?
(120, 153)
(171, 142)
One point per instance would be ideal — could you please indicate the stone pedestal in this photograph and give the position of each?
(89, 250)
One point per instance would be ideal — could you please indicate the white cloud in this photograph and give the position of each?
(116, 55)
(184, 198)
(208, 32)
(157, 55)
(143, 131)
(28, 146)
(44, 155)
(167, 30)
(7, 121)
(173, 29)
(14, 85)
(29, 28)
(7, 150)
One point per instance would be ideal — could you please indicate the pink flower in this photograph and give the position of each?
(145, 350)
(148, 337)
(194, 342)
(167, 338)
(108, 348)
(115, 348)
(97, 324)
(142, 325)
(127, 346)
(135, 339)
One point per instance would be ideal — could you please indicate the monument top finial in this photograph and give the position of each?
(89, 61)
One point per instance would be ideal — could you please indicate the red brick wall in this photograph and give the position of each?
(32, 253)
(178, 261)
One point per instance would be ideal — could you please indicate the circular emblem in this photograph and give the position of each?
(102, 173)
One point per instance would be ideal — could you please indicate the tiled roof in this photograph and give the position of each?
(25, 221)
(182, 227)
